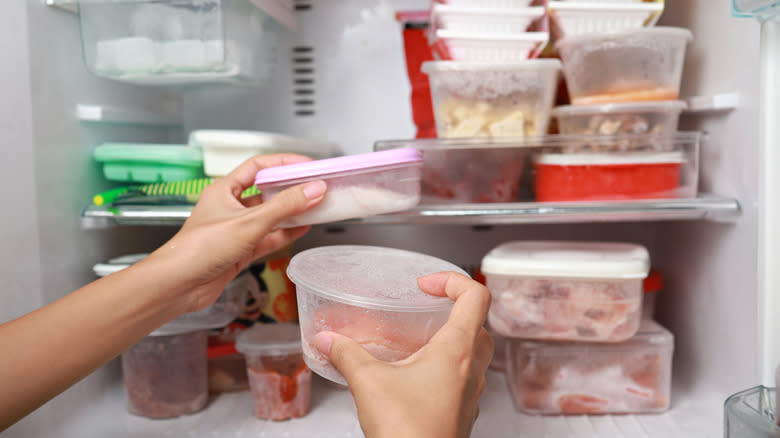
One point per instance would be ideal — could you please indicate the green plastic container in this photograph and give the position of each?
(149, 163)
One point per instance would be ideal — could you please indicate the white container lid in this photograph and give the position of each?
(369, 277)
(648, 32)
(568, 260)
(460, 66)
(262, 141)
(661, 106)
(270, 340)
(609, 159)
(605, 7)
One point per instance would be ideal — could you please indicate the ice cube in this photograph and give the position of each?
(184, 55)
(137, 55)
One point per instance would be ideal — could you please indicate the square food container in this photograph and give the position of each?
(576, 378)
(173, 42)
(631, 66)
(224, 150)
(369, 294)
(657, 118)
(149, 163)
(495, 48)
(574, 18)
(358, 185)
(575, 291)
(479, 20)
(492, 99)
(279, 379)
(751, 414)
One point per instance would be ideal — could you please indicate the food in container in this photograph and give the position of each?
(279, 379)
(631, 66)
(578, 291)
(653, 284)
(575, 378)
(492, 99)
(369, 294)
(573, 18)
(477, 47)
(358, 185)
(657, 118)
(226, 367)
(149, 163)
(485, 20)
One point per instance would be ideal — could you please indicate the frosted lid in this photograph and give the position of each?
(602, 159)
(269, 340)
(650, 334)
(568, 259)
(330, 166)
(660, 106)
(266, 142)
(369, 276)
(461, 66)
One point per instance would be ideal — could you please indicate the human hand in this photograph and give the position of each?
(224, 233)
(434, 392)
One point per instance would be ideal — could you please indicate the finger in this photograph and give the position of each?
(472, 300)
(287, 203)
(243, 176)
(345, 354)
(483, 352)
(277, 240)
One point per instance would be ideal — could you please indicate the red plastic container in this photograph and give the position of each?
(598, 176)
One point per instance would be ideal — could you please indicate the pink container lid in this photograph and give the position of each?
(330, 166)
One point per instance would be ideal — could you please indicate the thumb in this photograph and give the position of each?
(344, 353)
(290, 202)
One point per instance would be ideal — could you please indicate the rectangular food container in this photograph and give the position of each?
(149, 163)
(224, 150)
(575, 291)
(358, 185)
(480, 20)
(576, 378)
(470, 47)
(573, 18)
(492, 3)
(492, 99)
(751, 414)
(631, 66)
(176, 42)
(657, 118)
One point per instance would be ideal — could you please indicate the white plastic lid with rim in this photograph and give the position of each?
(610, 159)
(370, 277)
(270, 340)
(661, 106)
(647, 32)
(568, 260)
(461, 66)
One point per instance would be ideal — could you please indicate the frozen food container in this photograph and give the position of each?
(751, 414)
(176, 42)
(653, 284)
(224, 150)
(149, 163)
(631, 377)
(491, 3)
(358, 185)
(369, 294)
(470, 47)
(631, 66)
(279, 379)
(579, 291)
(483, 20)
(660, 117)
(226, 367)
(492, 99)
(573, 18)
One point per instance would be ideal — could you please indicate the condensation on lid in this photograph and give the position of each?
(661, 106)
(678, 32)
(601, 260)
(270, 340)
(369, 276)
(650, 334)
(460, 66)
(610, 159)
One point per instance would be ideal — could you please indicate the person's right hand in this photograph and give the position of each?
(434, 392)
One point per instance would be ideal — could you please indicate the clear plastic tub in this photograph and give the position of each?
(224, 150)
(149, 163)
(492, 99)
(483, 20)
(279, 379)
(658, 118)
(470, 47)
(358, 185)
(369, 294)
(578, 291)
(631, 66)
(574, 18)
(575, 378)
(174, 42)
(751, 414)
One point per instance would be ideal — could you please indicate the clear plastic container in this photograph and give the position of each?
(632, 66)
(279, 379)
(574, 18)
(659, 118)
(492, 99)
(224, 150)
(575, 378)
(483, 20)
(498, 362)
(470, 47)
(652, 285)
(358, 185)
(369, 294)
(751, 414)
(578, 291)
(175, 42)
(149, 163)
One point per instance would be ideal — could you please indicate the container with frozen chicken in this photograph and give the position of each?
(577, 291)
(654, 117)
(369, 294)
(576, 378)
(358, 185)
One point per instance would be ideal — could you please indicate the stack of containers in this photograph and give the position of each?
(574, 340)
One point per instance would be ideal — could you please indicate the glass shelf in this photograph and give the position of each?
(704, 207)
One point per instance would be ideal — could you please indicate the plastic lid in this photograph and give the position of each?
(654, 282)
(369, 276)
(663, 106)
(568, 259)
(269, 340)
(608, 159)
(650, 333)
(650, 32)
(458, 66)
(479, 13)
(142, 152)
(264, 141)
(606, 7)
(331, 166)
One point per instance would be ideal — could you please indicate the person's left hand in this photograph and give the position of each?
(224, 232)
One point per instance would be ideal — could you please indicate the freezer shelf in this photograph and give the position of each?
(704, 207)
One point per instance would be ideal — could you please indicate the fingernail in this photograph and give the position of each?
(323, 340)
(314, 189)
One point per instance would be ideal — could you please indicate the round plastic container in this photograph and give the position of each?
(579, 291)
(620, 118)
(492, 99)
(279, 379)
(369, 294)
(358, 185)
(631, 66)
(653, 284)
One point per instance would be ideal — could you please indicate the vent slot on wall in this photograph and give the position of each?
(303, 5)
(303, 79)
